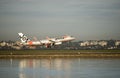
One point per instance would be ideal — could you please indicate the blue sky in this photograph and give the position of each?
(83, 19)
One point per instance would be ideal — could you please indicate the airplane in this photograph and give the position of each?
(48, 42)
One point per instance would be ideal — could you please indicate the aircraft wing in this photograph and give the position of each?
(52, 41)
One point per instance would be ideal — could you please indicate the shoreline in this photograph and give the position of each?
(63, 56)
(59, 53)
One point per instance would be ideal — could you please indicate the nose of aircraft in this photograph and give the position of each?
(73, 38)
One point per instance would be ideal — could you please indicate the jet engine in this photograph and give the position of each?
(58, 43)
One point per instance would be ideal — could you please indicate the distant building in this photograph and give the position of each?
(2, 44)
(102, 43)
(117, 43)
(93, 43)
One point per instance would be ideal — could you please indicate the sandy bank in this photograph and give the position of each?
(59, 53)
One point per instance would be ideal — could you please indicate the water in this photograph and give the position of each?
(60, 68)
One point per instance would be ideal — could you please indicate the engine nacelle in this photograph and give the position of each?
(57, 43)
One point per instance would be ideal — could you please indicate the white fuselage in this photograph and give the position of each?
(46, 42)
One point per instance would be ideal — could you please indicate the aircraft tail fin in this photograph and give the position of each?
(23, 38)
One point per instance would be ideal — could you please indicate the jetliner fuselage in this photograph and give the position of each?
(46, 42)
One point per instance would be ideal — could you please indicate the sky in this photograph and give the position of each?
(83, 19)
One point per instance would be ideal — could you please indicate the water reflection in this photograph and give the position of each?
(45, 68)
(60, 68)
